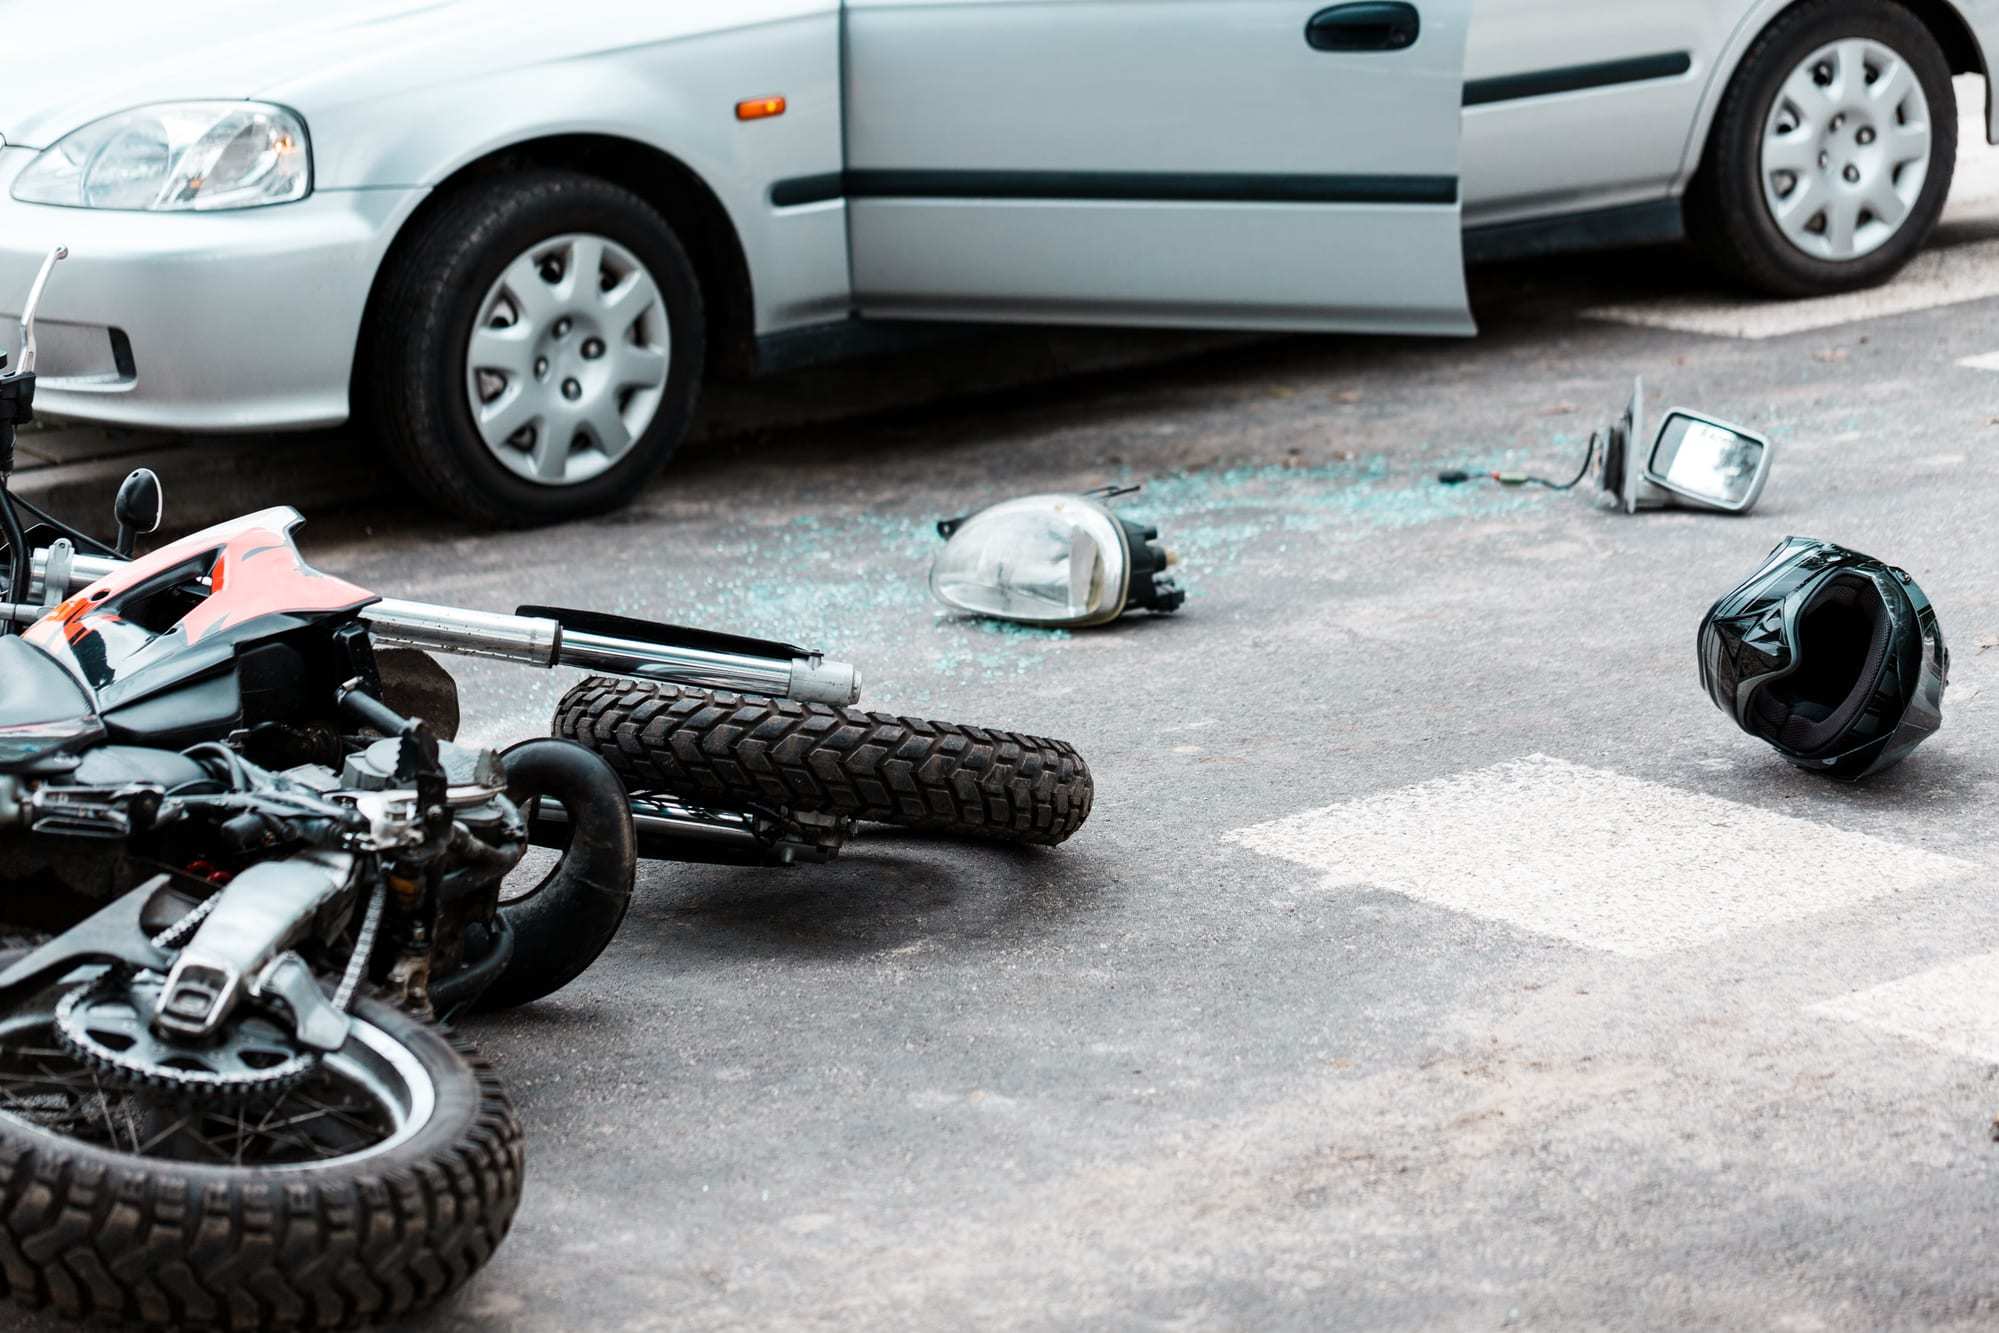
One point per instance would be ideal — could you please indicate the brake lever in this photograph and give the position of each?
(55, 256)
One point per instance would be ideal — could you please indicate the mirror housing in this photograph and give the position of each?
(1693, 461)
(138, 508)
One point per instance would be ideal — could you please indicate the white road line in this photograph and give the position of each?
(1937, 277)
(1596, 858)
(1954, 1007)
(1983, 361)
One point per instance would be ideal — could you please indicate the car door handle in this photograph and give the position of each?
(1372, 25)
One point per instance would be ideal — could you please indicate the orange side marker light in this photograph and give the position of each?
(760, 108)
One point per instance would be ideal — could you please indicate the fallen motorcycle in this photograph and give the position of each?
(259, 874)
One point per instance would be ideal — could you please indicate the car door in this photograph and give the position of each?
(1619, 86)
(1279, 164)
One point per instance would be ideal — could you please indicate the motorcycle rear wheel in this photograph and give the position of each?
(174, 1234)
(724, 749)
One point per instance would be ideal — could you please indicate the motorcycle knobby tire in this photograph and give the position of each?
(724, 749)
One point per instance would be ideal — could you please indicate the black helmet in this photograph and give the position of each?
(1831, 656)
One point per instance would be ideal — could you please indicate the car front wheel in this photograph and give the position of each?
(1831, 153)
(536, 349)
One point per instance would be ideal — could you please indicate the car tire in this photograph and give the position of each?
(1808, 110)
(502, 258)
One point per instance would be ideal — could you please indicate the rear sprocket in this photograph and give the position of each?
(108, 1025)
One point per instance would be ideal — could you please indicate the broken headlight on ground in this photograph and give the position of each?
(1055, 560)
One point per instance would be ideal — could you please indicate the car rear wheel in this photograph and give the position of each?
(536, 349)
(1831, 154)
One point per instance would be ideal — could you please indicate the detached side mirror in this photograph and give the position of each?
(1694, 461)
(138, 508)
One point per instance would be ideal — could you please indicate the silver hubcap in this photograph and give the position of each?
(568, 359)
(1846, 149)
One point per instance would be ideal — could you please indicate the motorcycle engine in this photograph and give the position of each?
(489, 837)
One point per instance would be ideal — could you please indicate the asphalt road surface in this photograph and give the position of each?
(1436, 957)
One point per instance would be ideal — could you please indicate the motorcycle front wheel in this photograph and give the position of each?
(375, 1186)
(723, 749)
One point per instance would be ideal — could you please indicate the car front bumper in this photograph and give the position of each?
(242, 320)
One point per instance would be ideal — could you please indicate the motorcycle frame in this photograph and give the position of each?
(635, 650)
(667, 829)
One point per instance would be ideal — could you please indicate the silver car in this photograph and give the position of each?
(512, 241)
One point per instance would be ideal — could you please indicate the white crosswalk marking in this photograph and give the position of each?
(1954, 1007)
(1984, 361)
(1596, 858)
(1940, 276)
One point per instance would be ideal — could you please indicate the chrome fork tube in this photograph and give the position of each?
(446, 629)
(688, 666)
(541, 642)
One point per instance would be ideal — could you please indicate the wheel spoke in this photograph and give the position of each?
(1908, 143)
(513, 409)
(1895, 83)
(631, 298)
(336, 1114)
(1842, 219)
(163, 1136)
(607, 426)
(551, 454)
(1811, 102)
(1885, 204)
(1794, 152)
(509, 349)
(1849, 70)
(1795, 211)
(583, 273)
(636, 366)
(532, 295)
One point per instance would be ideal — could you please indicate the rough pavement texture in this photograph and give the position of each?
(1156, 1078)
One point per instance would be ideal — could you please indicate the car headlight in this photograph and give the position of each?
(173, 157)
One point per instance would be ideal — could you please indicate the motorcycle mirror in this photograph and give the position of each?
(1694, 461)
(138, 508)
(1054, 560)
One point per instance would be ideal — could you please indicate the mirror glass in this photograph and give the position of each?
(1707, 461)
(1051, 560)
